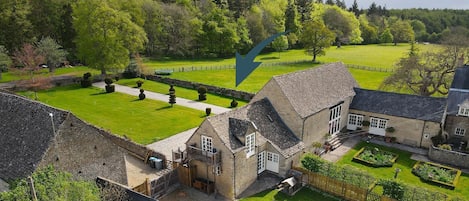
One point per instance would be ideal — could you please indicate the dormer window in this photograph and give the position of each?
(250, 144)
(463, 111)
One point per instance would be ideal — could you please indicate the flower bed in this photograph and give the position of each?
(437, 174)
(375, 157)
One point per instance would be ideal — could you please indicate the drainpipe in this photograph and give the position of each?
(423, 133)
(303, 129)
(234, 175)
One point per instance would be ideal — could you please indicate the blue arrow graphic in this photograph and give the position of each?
(245, 66)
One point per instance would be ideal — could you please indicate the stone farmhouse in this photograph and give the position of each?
(230, 151)
(34, 135)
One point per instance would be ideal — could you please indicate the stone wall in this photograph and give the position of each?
(211, 89)
(449, 157)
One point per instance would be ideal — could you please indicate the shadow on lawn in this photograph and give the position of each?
(164, 108)
(98, 93)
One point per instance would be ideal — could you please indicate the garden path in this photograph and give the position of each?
(163, 97)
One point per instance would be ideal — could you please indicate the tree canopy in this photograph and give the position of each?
(51, 184)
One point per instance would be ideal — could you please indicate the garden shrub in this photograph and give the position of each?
(108, 81)
(208, 111)
(234, 103)
(139, 83)
(86, 82)
(202, 93)
(445, 146)
(109, 87)
(312, 162)
(392, 189)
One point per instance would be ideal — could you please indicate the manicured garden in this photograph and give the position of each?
(180, 92)
(143, 121)
(304, 194)
(375, 157)
(73, 71)
(405, 164)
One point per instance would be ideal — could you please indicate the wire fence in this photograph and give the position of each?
(267, 64)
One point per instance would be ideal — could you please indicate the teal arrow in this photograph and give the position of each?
(245, 66)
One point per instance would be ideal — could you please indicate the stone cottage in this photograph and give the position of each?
(228, 151)
(292, 111)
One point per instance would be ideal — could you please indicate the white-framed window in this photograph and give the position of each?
(250, 144)
(334, 119)
(459, 131)
(355, 119)
(217, 170)
(207, 143)
(463, 111)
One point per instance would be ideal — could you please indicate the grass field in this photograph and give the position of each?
(304, 194)
(384, 56)
(75, 71)
(144, 121)
(180, 92)
(405, 163)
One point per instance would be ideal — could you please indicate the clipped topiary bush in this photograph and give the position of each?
(109, 87)
(208, 111)
(202, 93)
(86, 82)
(141, 96)
(139, 83)
(234, 103)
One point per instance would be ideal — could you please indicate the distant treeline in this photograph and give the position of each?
(215, 28)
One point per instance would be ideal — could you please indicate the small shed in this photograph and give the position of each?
(291, 184)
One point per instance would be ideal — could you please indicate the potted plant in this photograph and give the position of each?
(365, 123)
(109, 87)
(139, 83)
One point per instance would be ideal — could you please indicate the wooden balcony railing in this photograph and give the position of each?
(211, 158)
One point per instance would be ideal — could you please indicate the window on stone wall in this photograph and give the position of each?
(463, 111)
(250, 144)
(459, 131)
(207, 144)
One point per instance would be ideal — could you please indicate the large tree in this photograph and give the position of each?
(316, 37)
(402, 31)
(28, 60)
(51, 184)
(426, 73)
(15, 27)
(105, 36)
(343, 23)
(53, 52)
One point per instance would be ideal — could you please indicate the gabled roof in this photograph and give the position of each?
(263, 116)
(26, 132)
(310, 91)
(455, 98)
(461, 78)
(400, 105)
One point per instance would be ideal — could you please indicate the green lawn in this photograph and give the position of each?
(180, 92)
(304, 194)
(144, 121)
(384, 56)
(260, 76)
(75, 71)
(405, 164)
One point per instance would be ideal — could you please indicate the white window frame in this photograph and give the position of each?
(217, 170)
(460, 131)
(334, 119)
(206, 143)
(354, 121)
(250, 144)
(261, 162)
(378, 126)
(463, 111)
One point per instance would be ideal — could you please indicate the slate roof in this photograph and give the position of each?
(25, 134)
(269, 124)
(310, 91)
(454, 99)
(400, 105)
(461, 78)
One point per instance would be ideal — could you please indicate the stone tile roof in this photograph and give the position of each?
(310, 91)
(25, 134)
(269, 124)
(461, 78)
(455, 98)
(400, 105)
